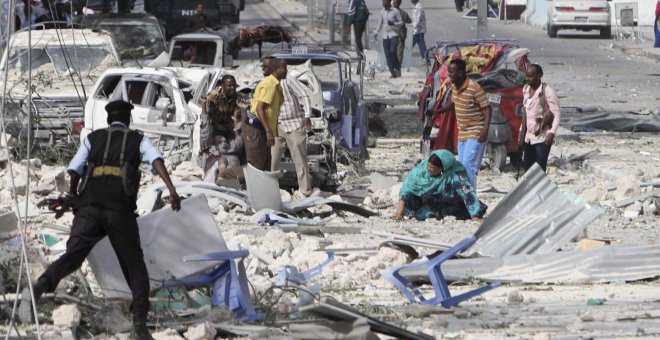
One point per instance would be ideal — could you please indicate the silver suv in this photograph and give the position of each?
(584, 15)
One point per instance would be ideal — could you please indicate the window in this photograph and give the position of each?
(107, 87)
(135, 90)
(198, 52)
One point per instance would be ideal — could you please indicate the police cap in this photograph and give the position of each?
(119, 106)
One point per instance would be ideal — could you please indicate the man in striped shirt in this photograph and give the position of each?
(293, 123)
(473, 117)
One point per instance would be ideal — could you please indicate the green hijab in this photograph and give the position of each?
(420, 182)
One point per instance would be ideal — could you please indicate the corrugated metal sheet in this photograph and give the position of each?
(535, 217)
(623, 262)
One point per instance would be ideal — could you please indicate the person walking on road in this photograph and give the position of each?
(293, 124)
(403, 32)
(541, 120)
(419, 27)
(358, 15)
(260, 124)
(473, 112)
(391, 19)
(107, 167)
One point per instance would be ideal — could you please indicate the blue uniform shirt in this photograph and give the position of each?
(148, 153)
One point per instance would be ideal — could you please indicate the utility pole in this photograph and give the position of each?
(482, 19)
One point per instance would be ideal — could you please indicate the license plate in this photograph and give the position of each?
(494, 98)
(581, 19)
(299, 49)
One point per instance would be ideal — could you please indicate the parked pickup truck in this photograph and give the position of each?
(63, 67)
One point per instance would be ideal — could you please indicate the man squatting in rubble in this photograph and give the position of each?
(293, 123)
(220, 127)
(541, 119)
(106, 166)
(260, 124)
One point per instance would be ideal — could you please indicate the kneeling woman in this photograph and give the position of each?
(439, 187)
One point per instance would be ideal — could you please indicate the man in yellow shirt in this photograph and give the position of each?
(260, 128)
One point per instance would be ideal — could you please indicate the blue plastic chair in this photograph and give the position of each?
(230, 285)
(442, 294)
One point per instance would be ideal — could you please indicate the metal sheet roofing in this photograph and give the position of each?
(614, 263)
(535, 217)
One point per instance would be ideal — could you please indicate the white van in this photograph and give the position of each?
(584, 15)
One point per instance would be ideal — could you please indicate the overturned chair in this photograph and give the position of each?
(182, 249)
(440, 286)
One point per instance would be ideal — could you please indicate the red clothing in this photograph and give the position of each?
(657, 9)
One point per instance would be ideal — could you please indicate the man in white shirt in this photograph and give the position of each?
(390, 18)
(419, 27)
(293, 123)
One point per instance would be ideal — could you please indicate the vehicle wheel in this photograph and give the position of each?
(552, 31)
(606, 32)
(497, 155)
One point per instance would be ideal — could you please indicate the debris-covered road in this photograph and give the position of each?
(592, 274)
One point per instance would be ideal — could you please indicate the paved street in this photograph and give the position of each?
(584, 68)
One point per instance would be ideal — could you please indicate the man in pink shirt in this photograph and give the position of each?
(542, 119)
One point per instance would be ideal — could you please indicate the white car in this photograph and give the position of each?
(584, 15)
(160, 97)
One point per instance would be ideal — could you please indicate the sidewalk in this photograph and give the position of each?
(644, 48)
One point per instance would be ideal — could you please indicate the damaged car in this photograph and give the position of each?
(498, 66)
(59, 67)
(339, 114)
(160, 97)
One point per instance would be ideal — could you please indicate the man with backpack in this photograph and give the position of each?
(541, 119)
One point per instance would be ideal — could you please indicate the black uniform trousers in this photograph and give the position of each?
(90, 225)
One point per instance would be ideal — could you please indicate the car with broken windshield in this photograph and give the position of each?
(139, 37)
(47, 80)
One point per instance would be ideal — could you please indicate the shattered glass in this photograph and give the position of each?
(136, 40)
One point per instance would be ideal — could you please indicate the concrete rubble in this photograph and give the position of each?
(591, 234)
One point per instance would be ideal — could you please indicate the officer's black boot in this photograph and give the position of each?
(40, 288)
(140, 329)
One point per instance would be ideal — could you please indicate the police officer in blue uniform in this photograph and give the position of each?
(105, 178)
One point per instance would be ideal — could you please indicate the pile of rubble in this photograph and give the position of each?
(307, 261)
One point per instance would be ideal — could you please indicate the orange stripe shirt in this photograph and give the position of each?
(469, 100)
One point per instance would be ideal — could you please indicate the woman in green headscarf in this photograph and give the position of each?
(438, 187)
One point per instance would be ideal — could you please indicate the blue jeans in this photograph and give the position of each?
(419, 40)
(389, 47)
(470, 154)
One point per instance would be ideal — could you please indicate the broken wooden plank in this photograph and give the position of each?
(414, 241)
(324, 230)
(337, 311)
(631, 200)
(348, 251)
